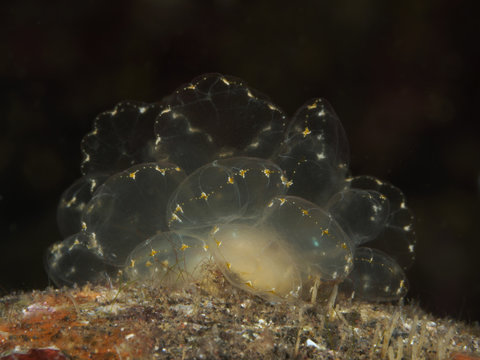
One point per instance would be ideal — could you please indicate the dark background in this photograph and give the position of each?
(402, 77)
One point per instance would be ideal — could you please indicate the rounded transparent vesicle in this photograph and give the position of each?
(224, 191)
(74, 201)
(256, 258)
(314, 153)
(129, 208)
(121, 138)
(76, 261)
(202, 121)
(397, 237)
(362, 214)
(321, 248)
(168, 258)
(377, 276)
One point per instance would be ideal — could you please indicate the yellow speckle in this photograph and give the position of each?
(184, 247)
(242, 173)
(282, 201)
(325, 232)
(272, 291)
(132, 263)
(205, 247)
(313, 106)
(230, 180)
(344, 246)
(306, 132)
(148, 263)
(178, 169)
(249, 284)
(203, 196)
(214, 230)
(175, 218)
(161, 170)
(178, 209)
(84, 226)
(305, 212)
(218, 242)
(153, 252)
(285, 181)
(191, 87)
(133, 174)
(228, 265)
(267, 172)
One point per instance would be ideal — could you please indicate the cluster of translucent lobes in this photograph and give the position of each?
(216, 172)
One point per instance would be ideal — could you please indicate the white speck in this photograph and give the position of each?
(129, 336)
(320, 156)
(313, 344)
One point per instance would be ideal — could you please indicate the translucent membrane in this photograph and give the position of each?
(264, 197)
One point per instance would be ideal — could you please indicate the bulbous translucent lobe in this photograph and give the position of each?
(167, 258)
(362, 214)
(314, 153)
(257, 259)
(130, 207)
(202, 122)
(120, 138)
(223, 191)
(377, 277)
(321, 247)
(75, 261)
(74, 201)
(397, 237)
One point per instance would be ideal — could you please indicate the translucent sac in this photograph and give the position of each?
(362, 214)
(129, 208)
(315, 152)
(74, 200)
(74, 261)
(256, 259)
(202, 121)
(167, 258)
(264, 197)
(322, 249)
(397, 238)
(121, 138)
(224, 191)
(377, 277)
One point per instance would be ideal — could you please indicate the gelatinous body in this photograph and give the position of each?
(217, 172)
